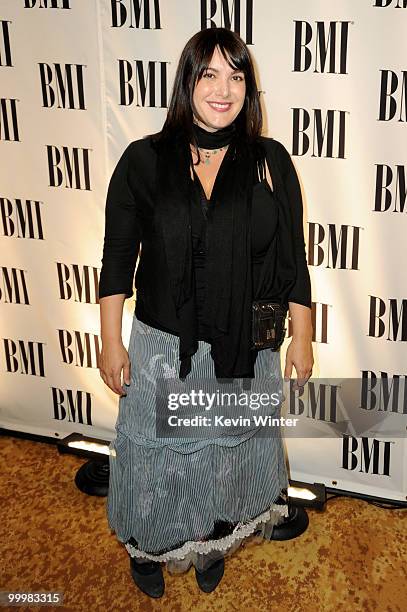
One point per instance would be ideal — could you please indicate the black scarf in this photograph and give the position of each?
(227, 308)
(214, 140)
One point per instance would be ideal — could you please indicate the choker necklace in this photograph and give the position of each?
(210, 143)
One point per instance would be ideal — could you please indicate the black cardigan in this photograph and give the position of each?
(130, 222)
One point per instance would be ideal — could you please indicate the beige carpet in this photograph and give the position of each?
(352, 557)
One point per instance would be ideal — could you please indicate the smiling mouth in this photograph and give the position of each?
(220, 105)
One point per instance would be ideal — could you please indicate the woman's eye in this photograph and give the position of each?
(237, 77)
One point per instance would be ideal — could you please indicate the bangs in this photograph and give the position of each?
(234, 62)
(234, 55)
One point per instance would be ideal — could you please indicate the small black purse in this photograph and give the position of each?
(268, 330)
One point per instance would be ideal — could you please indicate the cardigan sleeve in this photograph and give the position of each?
(122, 234)
(301, 291)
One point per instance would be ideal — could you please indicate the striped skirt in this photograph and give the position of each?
(189, 499)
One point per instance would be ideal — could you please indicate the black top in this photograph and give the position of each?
(132, 221)
(263, 228)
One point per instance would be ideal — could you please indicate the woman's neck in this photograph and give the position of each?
(213, 140)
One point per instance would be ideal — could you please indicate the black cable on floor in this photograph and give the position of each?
(378, 504)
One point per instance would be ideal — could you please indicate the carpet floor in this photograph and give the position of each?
(353, 556)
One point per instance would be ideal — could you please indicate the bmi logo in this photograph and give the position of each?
(13, 286)
(71, 405)
(321, 47)
(334, 247)
(366, 455)
(80, 349)
(62, 86)
(390, 190)
(78, 283)
(393, 96)
(388, 319)
(21, 219)
(145, 84)
(321, 132)
(319, 402)
(384, 392)
(236, 16)
(68, 167)
(140, 14)
(24, 357)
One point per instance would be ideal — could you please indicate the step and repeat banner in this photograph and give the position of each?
(80, 79)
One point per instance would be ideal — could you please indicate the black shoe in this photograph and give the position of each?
(148, 576)
(210, 578)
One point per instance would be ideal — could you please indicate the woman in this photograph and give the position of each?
(216, 231)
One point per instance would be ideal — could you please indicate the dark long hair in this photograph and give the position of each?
(193, 62)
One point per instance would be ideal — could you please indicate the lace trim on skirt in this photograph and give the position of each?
(203, 553)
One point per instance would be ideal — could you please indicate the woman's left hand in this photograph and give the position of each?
(299, 354)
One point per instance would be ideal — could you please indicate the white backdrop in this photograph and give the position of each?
(80, 79)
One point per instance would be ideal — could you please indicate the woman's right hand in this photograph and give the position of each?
(113, 359)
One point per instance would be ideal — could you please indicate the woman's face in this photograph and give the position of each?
(219, 95)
